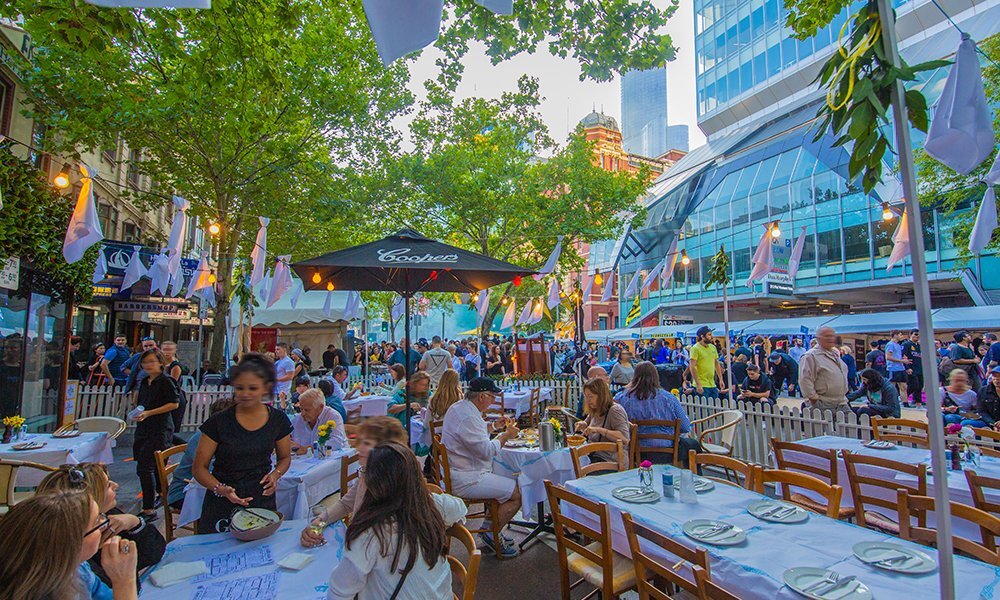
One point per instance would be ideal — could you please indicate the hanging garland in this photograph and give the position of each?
(33, 222)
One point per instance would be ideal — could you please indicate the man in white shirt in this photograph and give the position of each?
(315, 412)
(284, 368)
(470, 451)
(435, 361)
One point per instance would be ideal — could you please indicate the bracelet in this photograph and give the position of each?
(215, 490)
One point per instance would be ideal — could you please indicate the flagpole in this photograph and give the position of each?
(406, 358)
(922, 297)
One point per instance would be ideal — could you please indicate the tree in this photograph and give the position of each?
(475, 179)
(718, 274)
(949, 190)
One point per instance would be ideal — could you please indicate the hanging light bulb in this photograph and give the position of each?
(505, 301)
(62, 179)
(316, 277)
(538, 302)
(214, 229)
(329, 286)
(886, 212)
(517, 280)
(598, 279)
(684, 258)
(562, 293)
(775, 231)
(474, 297)
(212, 278)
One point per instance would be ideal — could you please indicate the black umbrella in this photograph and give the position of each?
(406, 263)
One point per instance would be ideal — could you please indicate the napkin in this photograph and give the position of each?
(296, 561)
(172, 573)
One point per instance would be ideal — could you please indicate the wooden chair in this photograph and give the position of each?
(977, 485)
(533, 415)
(645, 448)
(617, 448)
(993, 436)
(8, 478)
(787, 479)
(894, 430)
(346, 477)
(112, 426)
(464, 574)
(493, 411)
(874, 484)
(709, 590)
(633, 445)
(989, 525)
(433, 488)
(789, 456)
(491, 506)
(596, 563)
(731, 467)
(647, 567)
(164, 473)
(431, 472)
(731, 419)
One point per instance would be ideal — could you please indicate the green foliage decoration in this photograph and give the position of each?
(718, 272)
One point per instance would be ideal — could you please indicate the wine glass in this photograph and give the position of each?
(318, 524)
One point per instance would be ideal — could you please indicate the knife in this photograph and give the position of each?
(836, 585)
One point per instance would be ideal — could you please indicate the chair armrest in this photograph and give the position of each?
(705, 419)
(716, 429)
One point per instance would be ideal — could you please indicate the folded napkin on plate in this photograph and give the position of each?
(177, 572)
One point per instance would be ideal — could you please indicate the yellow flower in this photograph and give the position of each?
(323, 429)
(556, 425)
(331, 424)
(15, 421)
(674, 391)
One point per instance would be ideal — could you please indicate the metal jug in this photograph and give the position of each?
(546, 436)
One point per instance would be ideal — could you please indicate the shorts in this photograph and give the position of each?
(897, 376)
(490, 485)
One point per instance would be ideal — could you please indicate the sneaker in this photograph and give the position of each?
(149, 517)
(507, 550)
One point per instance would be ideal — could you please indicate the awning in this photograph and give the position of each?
(309, 309)
(968, 317)
(790, 326)
(876, 322)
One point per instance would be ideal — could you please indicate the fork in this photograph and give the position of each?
(830, 578)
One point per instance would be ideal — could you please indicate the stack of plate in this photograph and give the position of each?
(777, 512)
(716, 533)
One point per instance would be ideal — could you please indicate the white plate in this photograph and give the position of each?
(635, 494)
(873, 552)
(800, 578)
(880, 445)
(701, 485)
(789, 513)
(729, 538)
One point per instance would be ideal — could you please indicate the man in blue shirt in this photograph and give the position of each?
(404, 350)
(114, 359)
(896, 363)
(993, 354)
(134, 372)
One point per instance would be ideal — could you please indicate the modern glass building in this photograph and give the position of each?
(644, 112)
(761, 164)
(678, 138)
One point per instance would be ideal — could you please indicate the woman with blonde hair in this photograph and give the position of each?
(46, 541)
(448, 392)
(606, 420)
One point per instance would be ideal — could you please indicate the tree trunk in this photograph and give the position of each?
(228, 245)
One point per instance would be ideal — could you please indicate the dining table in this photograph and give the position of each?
(374, 405)
(307, 482)
(754, 568)
(249, 570)
(518, 400)
(86, 447)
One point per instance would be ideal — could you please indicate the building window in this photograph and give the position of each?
(110, 153)
(130, 232)
(602, 322)
(132, 172)
(6, 104)
(38, 158)
(108, 216)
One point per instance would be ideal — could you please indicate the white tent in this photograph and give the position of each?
(305, 325)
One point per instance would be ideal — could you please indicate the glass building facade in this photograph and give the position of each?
(644, 112)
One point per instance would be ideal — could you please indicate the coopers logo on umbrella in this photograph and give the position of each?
(402, 255)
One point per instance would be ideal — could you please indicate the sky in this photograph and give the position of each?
(566, 99)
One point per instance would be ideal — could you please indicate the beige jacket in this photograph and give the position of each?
(823, 379)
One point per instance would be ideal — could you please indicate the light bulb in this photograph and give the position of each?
(474, 297)
(62, 179)
(775, 231)
(538, 303)
(316, 277)
(214, 229)
(562, 294)
(886, 212)
(212, 278)
(329, 286)
(598, 279)
(504, 301)
(684, 258)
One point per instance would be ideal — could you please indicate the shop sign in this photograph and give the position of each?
(69, 408)
(10, 273)
(781, 284)
(150, 307)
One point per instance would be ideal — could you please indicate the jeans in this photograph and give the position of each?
(709, 392)
(952, 418)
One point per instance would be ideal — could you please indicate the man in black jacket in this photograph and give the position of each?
(989, 398)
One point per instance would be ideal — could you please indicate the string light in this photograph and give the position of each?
(62, 179)
(505, 301)
(474, 297)
(316, 277)
(775, 231)
(212, 278)
(598, 278)
(886, 212)
(214, 229)
(329, 286)
(684, 258)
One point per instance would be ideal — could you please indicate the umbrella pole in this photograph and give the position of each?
(922, 296)
(406, 357)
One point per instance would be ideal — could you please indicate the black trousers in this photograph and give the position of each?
(915, 387)
(144, 453)
(686, 444)
(177, 416)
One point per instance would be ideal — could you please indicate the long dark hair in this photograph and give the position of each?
(256, 364)
(872, 380)
(397, 498)
(645, 381)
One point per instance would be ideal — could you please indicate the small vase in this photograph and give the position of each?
(6, 434)
(646, 478)
(18, 435)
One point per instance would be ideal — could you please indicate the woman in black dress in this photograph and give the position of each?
(240, 440)
(154, 428)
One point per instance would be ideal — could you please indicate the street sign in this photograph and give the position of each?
(804, 329)
(9, 272)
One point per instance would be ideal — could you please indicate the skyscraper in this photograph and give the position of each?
(644, 112)
(677, 137)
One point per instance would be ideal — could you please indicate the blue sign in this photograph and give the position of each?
(804, 329)
(679, 335)
(635, 336)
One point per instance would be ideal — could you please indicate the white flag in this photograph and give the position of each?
(259, 253)
(652, 275)
(609, 286)
(402, 26)
(525, 316)
(175, 243)
(152, 3)
(200, 279)
(588, 289)
(508, 317)
(536, 312)
(633, 284)
(763, 258)
(482, 306)
(176, 280)
(900, 242)
(550, 264)
(398, 309)
(296, 292)
(263, 287)
(669, 262)
(353, 306)
(208, 295)
(986, 222)
(328, 304)
(159, 274)
(961, 134)
(554, 293)
(282, 281)
(84, 227)
(135, 271)
(796, 257)
(100, 268)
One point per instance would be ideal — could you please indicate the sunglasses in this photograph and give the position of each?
(103, 525)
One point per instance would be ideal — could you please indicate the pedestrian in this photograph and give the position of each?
(300, 365)
(783, 370)
(114, 359)
(284, 368)
(852, 367)
(875, 359)
(896, 363)
(964, 357)
(959, 402)
(436, 360)
(134, 373)
(757, 387)
(679, 355)
(419, 390)
(154, 430)
(822, 375)
(306, 351)
(623, 369)
(914, 369)
(404, 353)
(705, 367)
(94, 371)
(882, 399)
(989, 399)
(174, 370)
(797, 351)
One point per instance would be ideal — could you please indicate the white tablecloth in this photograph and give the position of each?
(531, 467)
(310, 583)
(371, 406)
(958, 486)
(86, 447)
(520, 401)
(307, 481)
(419, 434)
(753, 570)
